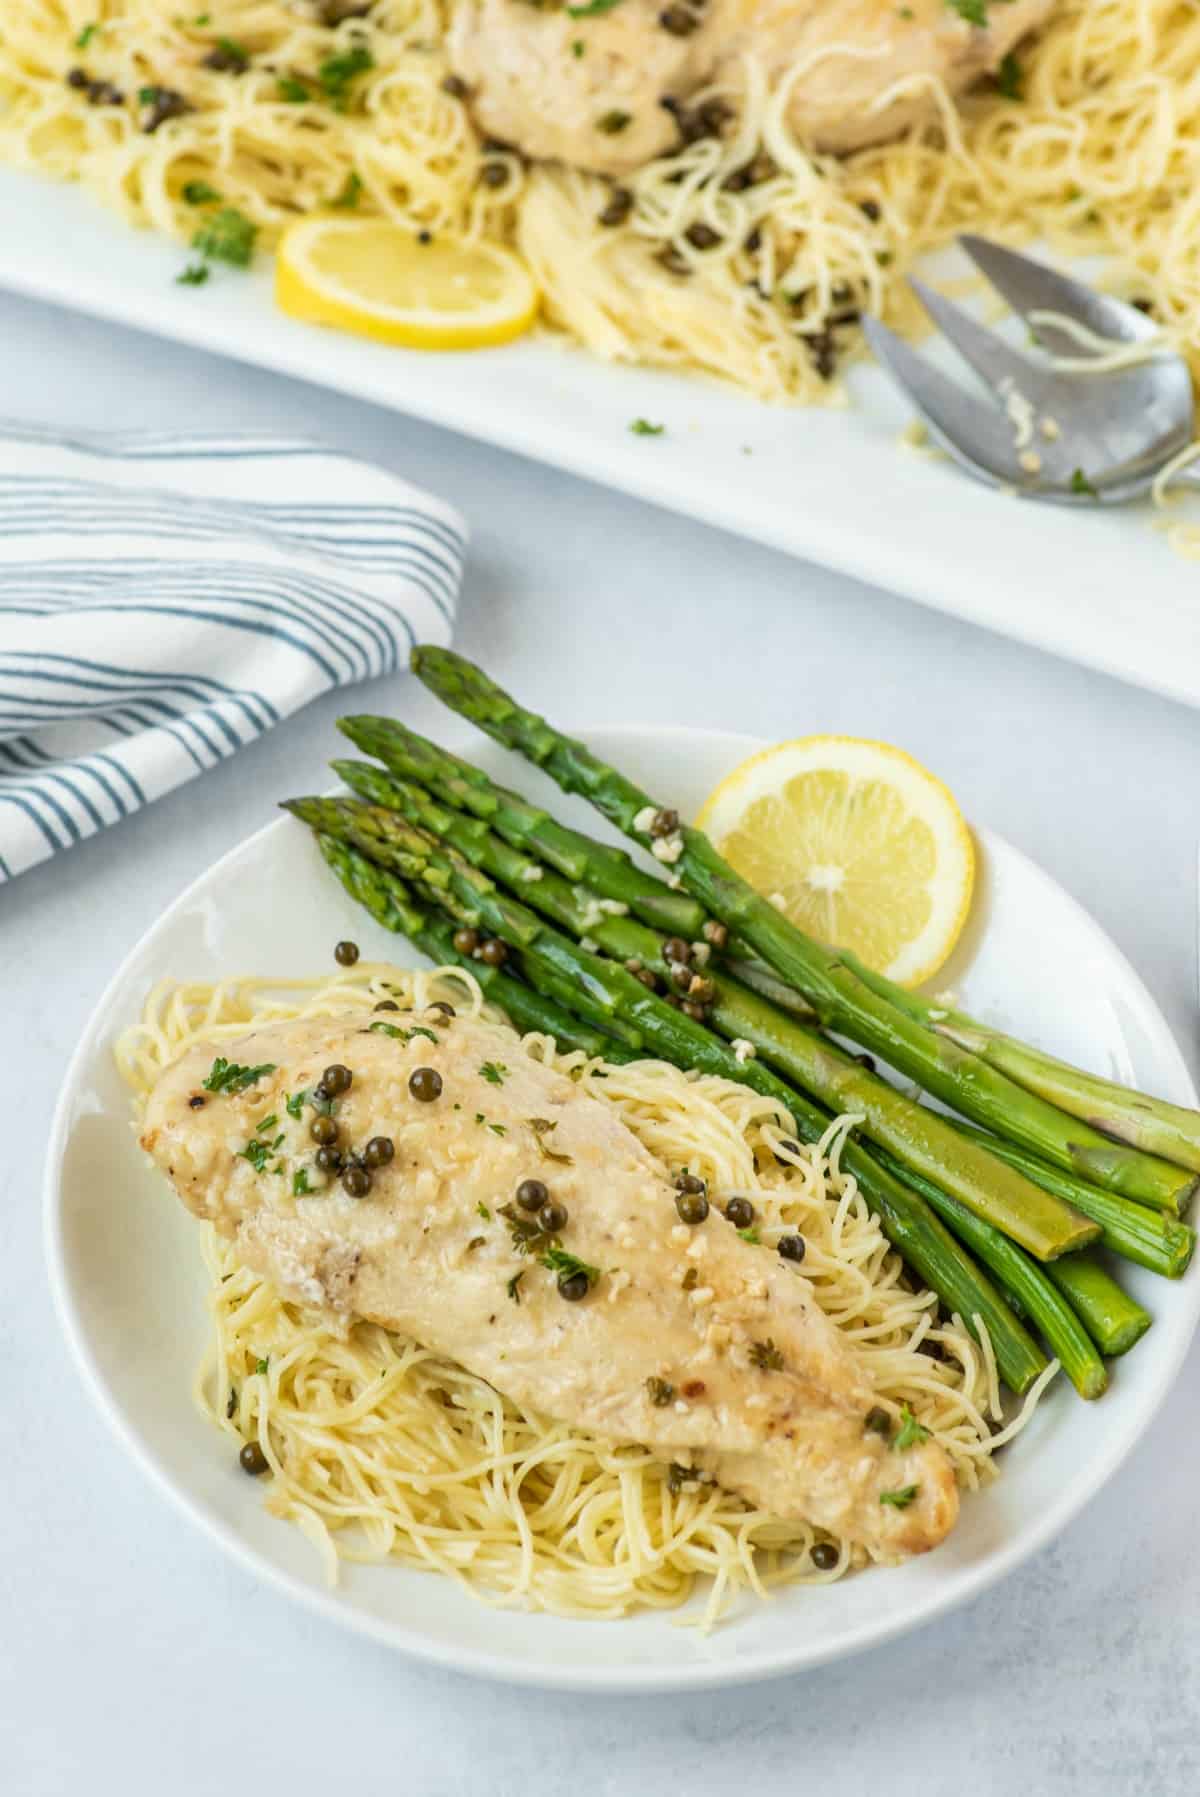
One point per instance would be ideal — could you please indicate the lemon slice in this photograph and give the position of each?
(857, 843)
(371, 277)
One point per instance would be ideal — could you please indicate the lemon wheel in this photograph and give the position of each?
(857, 843)
(378, 280)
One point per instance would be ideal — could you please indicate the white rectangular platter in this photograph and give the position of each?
(833, 486)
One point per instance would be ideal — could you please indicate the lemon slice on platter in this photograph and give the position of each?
(376, 279)
(857, 843)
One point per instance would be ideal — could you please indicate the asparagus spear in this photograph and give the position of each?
(1115, 1111)
(1023, 1281)
(1151, 1238)
(918, 1137)
(608, 872)
(909, 1225)
(1113, 1319)
(393, 905)
(842, 1001)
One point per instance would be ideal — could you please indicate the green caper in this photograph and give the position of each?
(878, 1421)
(439, 1004)
(386, 1004)
(252, 1460)
(740, 1212)
(356, 1181)
(493, 952)
(329, 1159)
(425, 1084)
(466, 941)
(324, 1130)
(346, 954)
(573, 1286)
(379, 1151)
(532, 1194)
(337, 1079)
(691, 1206)
(792, 1247)
(690, 1182)
(552, 1217)
(824, 1556)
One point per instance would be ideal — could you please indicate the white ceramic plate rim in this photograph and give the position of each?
(1111, 1451)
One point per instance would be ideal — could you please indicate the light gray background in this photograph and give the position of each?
(132, 1656)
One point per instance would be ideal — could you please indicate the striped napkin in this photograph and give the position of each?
(165, 599)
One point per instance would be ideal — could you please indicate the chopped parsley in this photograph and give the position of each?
(750, 1235)
(766, 1356)
(256, 1152)
(614, 122)
(260, 1366)
(86, 35)
(660, 1392)
(578, 47)
(973, 11)
(228, 236)
(642, 427)
(591, 9)
(234, 57)
(482, 1210)
(497, 1129)
(1081, 484)
(338, 71)
(566, 1265)
(400, 1035)
(1010, 80)
(494, 1072)
(514, 1285)
(527, 1234)
(910, 1433)
(679, 1476)
(542, 1127)
(267, 1123)
(194, 275)
(228, 1076)
(901, 1499)
(350, 194)
(293, 91)
(295, 1104)
(199, 193)
(300, 1185)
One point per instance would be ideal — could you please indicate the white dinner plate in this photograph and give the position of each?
(126, 1272)
(833, 486)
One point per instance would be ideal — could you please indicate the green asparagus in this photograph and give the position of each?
(1113, 1319)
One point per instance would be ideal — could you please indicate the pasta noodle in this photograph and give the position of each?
(1100, 155)
(383, 1451)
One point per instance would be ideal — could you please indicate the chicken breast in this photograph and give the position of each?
(601, 106)
(767, 1398)
(597, 110)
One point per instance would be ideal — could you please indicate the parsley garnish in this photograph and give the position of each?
(260, 1366)
(293, 91)
(228, 1076)
(899, 1500)
(494, 1072)
(1081, 484)
(398, 1035)
(910, 1433)
(194, 275)
(660, 1392)
(228, 236)
(497, 1129)
(566, 1265)
(199, 193)
(973, 11)
(295, 1104)
(256, 1153)
(766, 1356)
(642, 427)
(542, 1127)
(86, 35)
(750, 1235)
(337, 72)
(578, 47)
(1010, 81)
(482, 1210)
(679, 1476)
(267, 1123)
(351, 193)
(513, 1285)
(236, 56)
(526, 1232)
(591, 9)
(300, 1185)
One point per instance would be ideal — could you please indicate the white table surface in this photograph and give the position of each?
(132, 1656)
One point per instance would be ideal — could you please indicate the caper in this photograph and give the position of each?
(690, 1182)
(552, 1218)
(329, 1159)
(702, 236)
(324, 1130)
(439, 1004)
(740, 1212)
(386, 1004)
(493, 952)
(573, 1286)
(532, 1194)
(456, 87)
(356, 1181)
(425, 1084)
(824, 1556)
(792, 1247)
(337, 1079)
(379, 1151)
(252, 1460)
(466, 941)
(878, 1421)
(691, 1206)
(346, 954)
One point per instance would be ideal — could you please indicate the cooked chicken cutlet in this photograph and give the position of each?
(768, 1400)
(589, 91)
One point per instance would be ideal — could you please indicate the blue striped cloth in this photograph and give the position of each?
(165, 599)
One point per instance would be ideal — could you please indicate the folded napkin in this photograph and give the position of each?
(165, 599)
